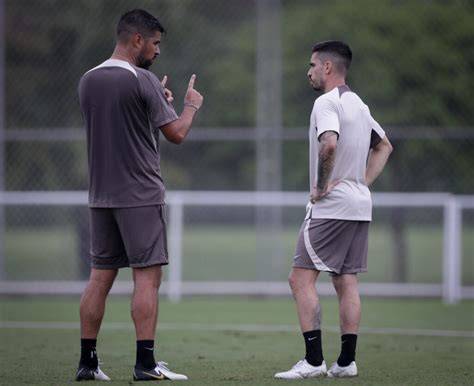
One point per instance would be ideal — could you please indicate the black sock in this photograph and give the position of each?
(348, 349)
(314, 351)
(145, 357)
(89, 353)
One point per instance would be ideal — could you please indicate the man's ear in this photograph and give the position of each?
(327, 67)
(138, 40)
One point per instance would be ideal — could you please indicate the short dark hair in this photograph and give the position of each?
(138, 21)
(338, 50)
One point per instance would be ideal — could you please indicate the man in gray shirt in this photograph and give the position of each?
(124, 107)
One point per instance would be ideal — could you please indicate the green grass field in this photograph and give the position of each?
(241, 341)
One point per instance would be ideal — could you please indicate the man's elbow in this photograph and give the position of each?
(173, 132)
(176, 138)
(388, 147)
(384, 146)
(329, 149)
(332, 147)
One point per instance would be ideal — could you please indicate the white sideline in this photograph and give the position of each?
(267, 288)
(237, 327)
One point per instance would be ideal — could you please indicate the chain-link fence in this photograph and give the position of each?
(413, 65)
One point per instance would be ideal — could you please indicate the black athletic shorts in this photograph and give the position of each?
(128, 237)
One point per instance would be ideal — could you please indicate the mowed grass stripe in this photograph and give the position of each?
(236, 327)
(205, 339)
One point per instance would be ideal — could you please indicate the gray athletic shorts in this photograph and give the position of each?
(335, 246)
(128, 237)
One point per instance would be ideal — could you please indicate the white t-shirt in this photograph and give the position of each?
(342, 111)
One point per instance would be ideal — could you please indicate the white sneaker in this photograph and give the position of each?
(160, 372)
(337, 371)
(85, 373)
(303, 370)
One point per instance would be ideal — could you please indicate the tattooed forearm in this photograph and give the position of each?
(327, 155)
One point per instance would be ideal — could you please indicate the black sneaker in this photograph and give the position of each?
(159, 373)
(85, 373)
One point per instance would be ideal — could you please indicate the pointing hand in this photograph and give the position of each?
(168, 93)
(192, 97)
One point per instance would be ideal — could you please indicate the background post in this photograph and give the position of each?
(2, 136)
(268, 137)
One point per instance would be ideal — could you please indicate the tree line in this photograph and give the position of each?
(413, 64)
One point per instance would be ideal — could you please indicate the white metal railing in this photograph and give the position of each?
(451, 289)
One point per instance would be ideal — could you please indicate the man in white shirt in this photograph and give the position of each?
(348, 150)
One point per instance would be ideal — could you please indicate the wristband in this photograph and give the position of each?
(192, 105)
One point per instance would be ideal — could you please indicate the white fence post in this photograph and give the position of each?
(452, 251)
(175, 249)
(450, 288)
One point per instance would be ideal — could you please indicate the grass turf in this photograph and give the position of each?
(231, 356)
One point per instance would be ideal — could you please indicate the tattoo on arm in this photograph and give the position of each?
(327, 155)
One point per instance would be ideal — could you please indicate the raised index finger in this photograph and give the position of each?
(191, 81)
(165, 79)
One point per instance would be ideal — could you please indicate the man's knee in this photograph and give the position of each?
(300, 279)
(293, 280)
(336, 281)
(147, 277)
(102, 279)
(345, 282)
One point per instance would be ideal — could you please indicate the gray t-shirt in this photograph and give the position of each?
(342, 111)
(123, 108)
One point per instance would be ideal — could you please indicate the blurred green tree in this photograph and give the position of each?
(413, 64)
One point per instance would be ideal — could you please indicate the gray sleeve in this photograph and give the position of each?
(376, 132)
(160, 111)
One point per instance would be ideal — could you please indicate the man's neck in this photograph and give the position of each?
(122, 54)
(333, 83)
